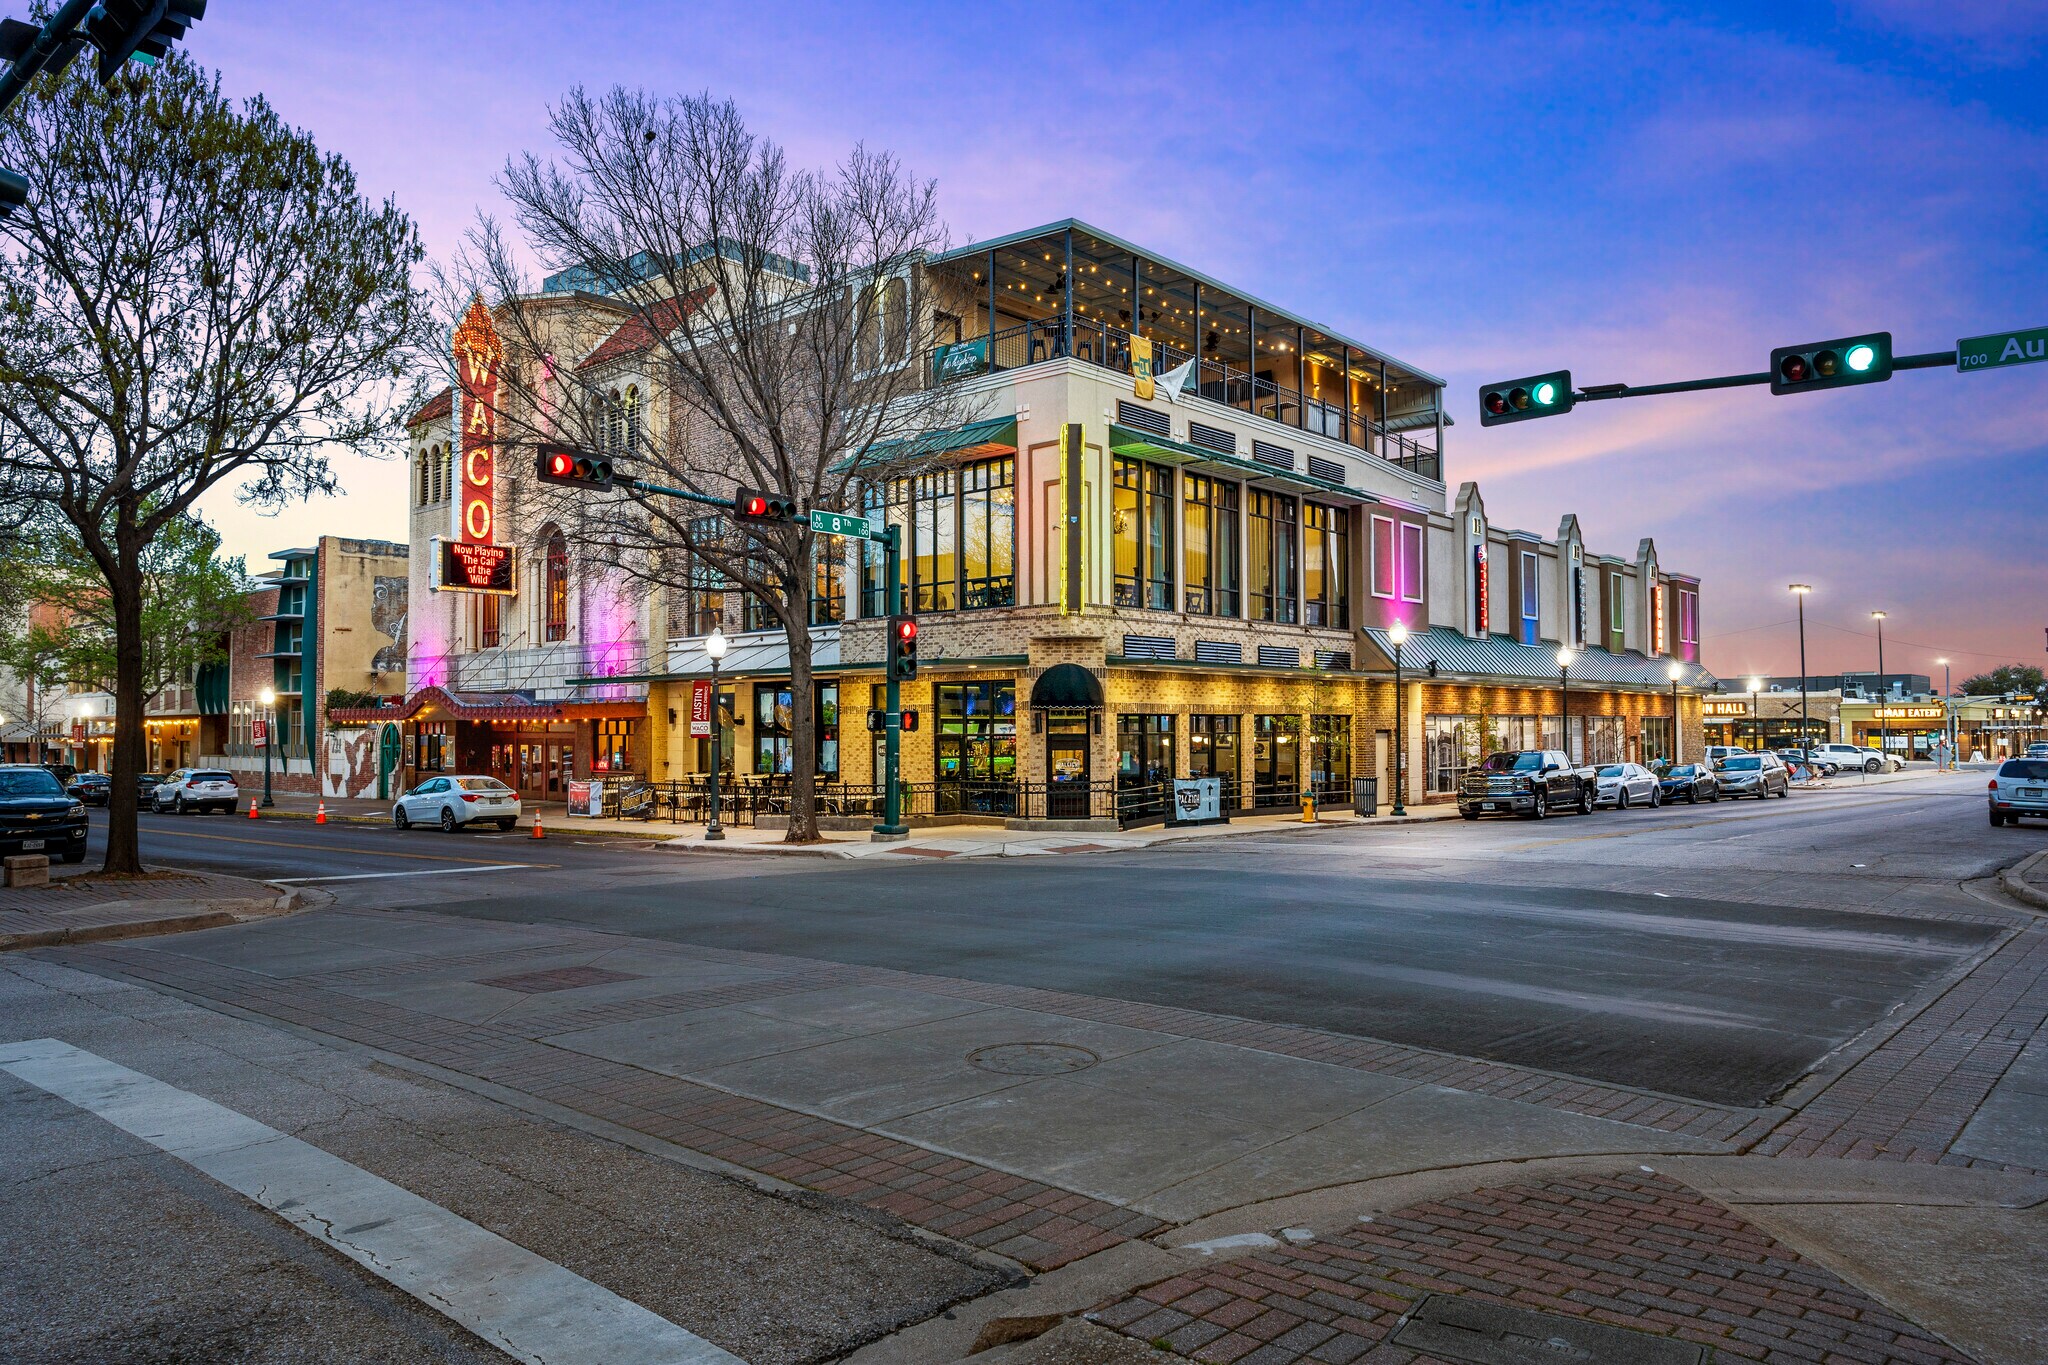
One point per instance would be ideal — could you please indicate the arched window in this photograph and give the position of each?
(555, 584)
(421, 500)
(614, 424)
(632, 420)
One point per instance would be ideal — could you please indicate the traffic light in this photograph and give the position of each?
(13, 192)
(749, 505)
(139, 29)
(909, 718)
(902, 647)
(1832, 364)
(878, 719)
(1518, 400)
(576, 468)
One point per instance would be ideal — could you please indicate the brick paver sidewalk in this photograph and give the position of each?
(81, 907)
(1638, 1251)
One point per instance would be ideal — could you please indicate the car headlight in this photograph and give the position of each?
(77, 810)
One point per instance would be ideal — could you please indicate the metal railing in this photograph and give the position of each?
(744, 801)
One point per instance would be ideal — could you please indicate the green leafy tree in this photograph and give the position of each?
(194, 295)
(2003, 679)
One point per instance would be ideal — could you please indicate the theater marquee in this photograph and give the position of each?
(469, 561)
(462, 567)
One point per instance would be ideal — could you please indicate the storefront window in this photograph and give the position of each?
(828, 578)
(1276, 760)
(959, 532)
(774, 729)
(1144, 750)
(1329, 757)
(611, 749)
(1453, 745)
(1144, 535)
(1274, 571)
(1326, 566)
(1212, 752)
(988, 534)
(976, 743)
(1656, 731)
(1209, 565)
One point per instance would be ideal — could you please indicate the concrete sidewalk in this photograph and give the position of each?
(82, 906)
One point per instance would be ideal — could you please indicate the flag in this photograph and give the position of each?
(1141, 366)
(1171, 383)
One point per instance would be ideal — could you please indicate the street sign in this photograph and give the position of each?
(838, 524)
(2002, 348)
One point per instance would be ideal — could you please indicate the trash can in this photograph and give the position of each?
(1365, 796)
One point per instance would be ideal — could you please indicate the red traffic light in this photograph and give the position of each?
(749, 505)
(906, 629)
(1793, 368)
(560, 464)
(757, 506)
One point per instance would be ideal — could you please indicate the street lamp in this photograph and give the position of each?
(1884, 727)
(268, 696)
(1564, 700)
(1674, 671)
(1756, 725)
(714, 648)
(1799, 591)
(1398, 634)
(1948, 711)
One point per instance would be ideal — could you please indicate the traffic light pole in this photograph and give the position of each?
(892, 826)
(1594, 392)
(47, 46)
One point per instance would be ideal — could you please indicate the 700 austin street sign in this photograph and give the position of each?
(2002, 348)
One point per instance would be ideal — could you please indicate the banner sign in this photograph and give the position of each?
(1579, 605)
(1657, 620)
(478, 355)
(1479, 609)
(700, 708)
(460, 566)
(960, 359)
(259, 733)
(1197, 800)
(1141, 366)
(587, 798)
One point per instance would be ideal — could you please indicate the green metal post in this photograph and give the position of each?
(892, 825)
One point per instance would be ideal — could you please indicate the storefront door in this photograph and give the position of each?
(1066, 766)
(1276, 760)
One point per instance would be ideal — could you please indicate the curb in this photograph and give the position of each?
(98, 933)
(2010, 881)
(383, 822)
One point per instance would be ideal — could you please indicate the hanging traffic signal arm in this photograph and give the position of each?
(1521, 400)
(574, 468)
(141, 30)
(752, 505)
(1821, 365)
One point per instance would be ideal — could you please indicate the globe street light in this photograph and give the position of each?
(1799, 591)
(1674, 671)
(1398, 635)
(268, 696)
(1884, 726)
(1756, 726)
(1564, 700)
(714, 649)
(1948, 711)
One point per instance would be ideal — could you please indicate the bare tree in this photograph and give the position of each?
(779, 326)
(193, 295)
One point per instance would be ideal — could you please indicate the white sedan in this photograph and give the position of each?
(454, 801)
(1622, 785)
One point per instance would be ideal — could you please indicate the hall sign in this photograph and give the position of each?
(1727, 708)
(460, 566)
(2002, 348)
(1910, 713)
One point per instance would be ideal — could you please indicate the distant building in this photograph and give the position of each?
(1859, 685)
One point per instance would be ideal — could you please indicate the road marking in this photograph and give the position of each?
(526, 1306)
(421, 872)
(328, 848)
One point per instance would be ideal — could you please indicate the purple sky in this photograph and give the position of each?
(1639, 193)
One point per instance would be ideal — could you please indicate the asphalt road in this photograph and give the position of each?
(1715, 953)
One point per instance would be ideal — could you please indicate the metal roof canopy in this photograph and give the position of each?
(992, 436)
(1495, 656)
(1010, 239)
(1128, 441)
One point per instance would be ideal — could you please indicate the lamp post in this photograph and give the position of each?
(1884, 727)
(1948, 712)
(1564, 702)
(1756, 725)
(1674, 671)
(1799, 591)
(268, 696)
(1398, 634)
(714, 648)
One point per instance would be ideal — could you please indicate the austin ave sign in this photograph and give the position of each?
(2002, 348)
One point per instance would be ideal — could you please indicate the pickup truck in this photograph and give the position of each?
(1533, 782)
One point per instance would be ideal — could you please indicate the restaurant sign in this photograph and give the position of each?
(460, 566)
(1479, 610)
(960, 359)
(1909, 713)
(1727, 708)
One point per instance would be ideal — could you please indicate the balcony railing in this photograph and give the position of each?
(1045, 339)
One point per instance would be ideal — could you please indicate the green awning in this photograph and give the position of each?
(996, 436)
(1143, 445)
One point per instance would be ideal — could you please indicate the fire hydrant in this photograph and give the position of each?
(1308, 808)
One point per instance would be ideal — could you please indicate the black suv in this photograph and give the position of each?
(1534, 782)
(37, 817)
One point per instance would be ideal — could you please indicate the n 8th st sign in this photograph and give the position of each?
(2002, 348)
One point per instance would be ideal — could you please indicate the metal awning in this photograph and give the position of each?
(1143, 445)
(1458, 655)
(755, 654)
(1066, 687)
(995, 436)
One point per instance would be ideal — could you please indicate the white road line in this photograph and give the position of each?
(526, 1306)
(429, 872)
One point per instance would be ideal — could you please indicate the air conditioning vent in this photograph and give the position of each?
(1265, 452)
(1326, 469)
(1333, 658)
(1147, 420)
(1279, 656)
(1150, 647)
(1219, 652)
(1212, 438)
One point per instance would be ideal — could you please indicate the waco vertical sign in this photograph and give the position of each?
(471, 560)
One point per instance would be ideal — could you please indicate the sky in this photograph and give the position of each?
(1640, 193)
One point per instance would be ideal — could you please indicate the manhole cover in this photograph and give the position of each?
(1032, 1059)
(1491, 1334)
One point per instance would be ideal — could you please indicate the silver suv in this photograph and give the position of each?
(1757, 775)
(200, 789)
(2019, 787)
(1849, 757)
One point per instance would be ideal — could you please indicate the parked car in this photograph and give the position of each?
(1717, 752)
(1690, 783)
(1848, 757)
(2037, 751)
(456, 800)
(145, 788)
(1826, 767)
(63, 772)
(93, 789)
(1531, 782)
(1622, 785)
(2019, 787)
(1757, 775)
(197, 789)
(37, 816)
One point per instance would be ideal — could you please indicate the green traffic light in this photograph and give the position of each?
(1546, 393)
(1861, 357)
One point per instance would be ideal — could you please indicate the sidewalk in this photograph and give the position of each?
(80, 906)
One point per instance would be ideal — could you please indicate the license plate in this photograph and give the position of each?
(2030, 793)
(1489, 805)
(31, 845)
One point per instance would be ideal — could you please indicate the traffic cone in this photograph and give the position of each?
(537, 832)
(252, 809)
(320, 816)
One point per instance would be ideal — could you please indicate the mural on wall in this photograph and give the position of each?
(351, 766)
(387, 616)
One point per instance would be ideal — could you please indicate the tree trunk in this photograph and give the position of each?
(124, 850)
(803, 747)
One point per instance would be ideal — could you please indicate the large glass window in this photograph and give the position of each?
(1276, 760)
(988, 534)
(1144, 750)
(828, 579)
(611, 749)
(1329, 757)
(1326, 566)
(1144, 535)
(1274, 571)
(774, 729)
(935, 538)
(1451, 745)
(1209, 562)
(976, 746)
(959, 527)
(1213, 752)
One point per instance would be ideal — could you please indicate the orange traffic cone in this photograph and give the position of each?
(537, 832)
(320, 816)
(252, 809)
